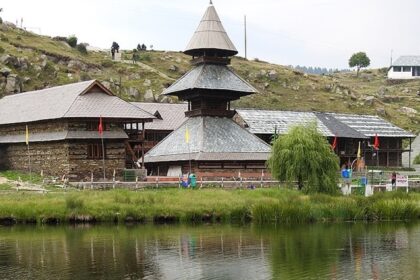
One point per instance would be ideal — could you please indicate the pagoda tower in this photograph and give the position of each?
(209, 143)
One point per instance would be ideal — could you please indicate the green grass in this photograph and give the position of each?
(24, 176)
(417, 159)
(262, 206)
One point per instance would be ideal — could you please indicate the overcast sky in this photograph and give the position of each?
(290, 32)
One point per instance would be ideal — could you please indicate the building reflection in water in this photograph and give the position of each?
(335, 251)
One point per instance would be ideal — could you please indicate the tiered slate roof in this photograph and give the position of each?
(168, 116)
(209, 86)
(371, 125)
(211, 139)
(84, 100)
(88, 99)
(210, 37)
(211, 77)
(63, 135)
(329, 124)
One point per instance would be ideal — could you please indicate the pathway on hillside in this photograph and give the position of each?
(149, 68)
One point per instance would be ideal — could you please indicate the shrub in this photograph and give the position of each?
(72, 41)
(4, 38)
(74, 202)
(107, 63)
(60, 38)
(1, 50)
(145, 57)
(417, 159)
(18, 37)
(82, 48)
(85, 76)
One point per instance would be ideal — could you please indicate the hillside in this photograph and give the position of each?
(29, 61)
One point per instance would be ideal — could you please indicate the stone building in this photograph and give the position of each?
(63, 130)
(209, 143)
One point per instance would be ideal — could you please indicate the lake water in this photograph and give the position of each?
(332, 251)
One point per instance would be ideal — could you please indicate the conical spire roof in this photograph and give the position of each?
(210, 38)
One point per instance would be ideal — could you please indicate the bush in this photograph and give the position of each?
(417, 159)
(72, 41)
(18, 37)
(107, 63)
(4, 38)
(60, 38)
(1, 50)
(145, 57)
(82, 48)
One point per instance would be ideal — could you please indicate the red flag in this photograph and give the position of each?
(334, 144)
(376, 143)
(100, 127)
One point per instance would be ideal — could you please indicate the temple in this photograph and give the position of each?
(209, 143)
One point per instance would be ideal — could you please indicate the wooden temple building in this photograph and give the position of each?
(348, 129)
(209, 143)
(63, 132)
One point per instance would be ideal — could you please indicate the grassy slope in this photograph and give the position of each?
(290, 90)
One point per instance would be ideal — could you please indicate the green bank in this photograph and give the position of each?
(261, 206)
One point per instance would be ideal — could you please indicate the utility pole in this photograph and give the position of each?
(246, 43)
(391, 56)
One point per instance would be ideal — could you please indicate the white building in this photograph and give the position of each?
(405, 67)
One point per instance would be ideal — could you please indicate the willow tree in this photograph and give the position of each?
(303, 155)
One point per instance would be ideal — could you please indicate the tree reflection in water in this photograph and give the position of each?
(320, 251)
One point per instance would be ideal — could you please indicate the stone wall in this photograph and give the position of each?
(80, 167)
(50, 157)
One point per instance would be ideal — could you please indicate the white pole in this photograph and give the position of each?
(246, 43)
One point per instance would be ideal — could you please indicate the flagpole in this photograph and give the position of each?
(189, 156)
(101, 133)
(29, 160)
(29, 154)
(103, 156)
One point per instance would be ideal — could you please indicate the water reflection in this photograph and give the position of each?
(334, 251)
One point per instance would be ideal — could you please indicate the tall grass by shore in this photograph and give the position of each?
(261, 206)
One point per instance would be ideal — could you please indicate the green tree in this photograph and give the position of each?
(359, 60)
(72, 41)
(304, 156)
(82, 48)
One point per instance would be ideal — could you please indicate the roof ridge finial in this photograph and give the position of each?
(211, 2)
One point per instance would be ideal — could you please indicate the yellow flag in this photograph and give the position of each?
(359, 152)
(187, 135)
(27, 136)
